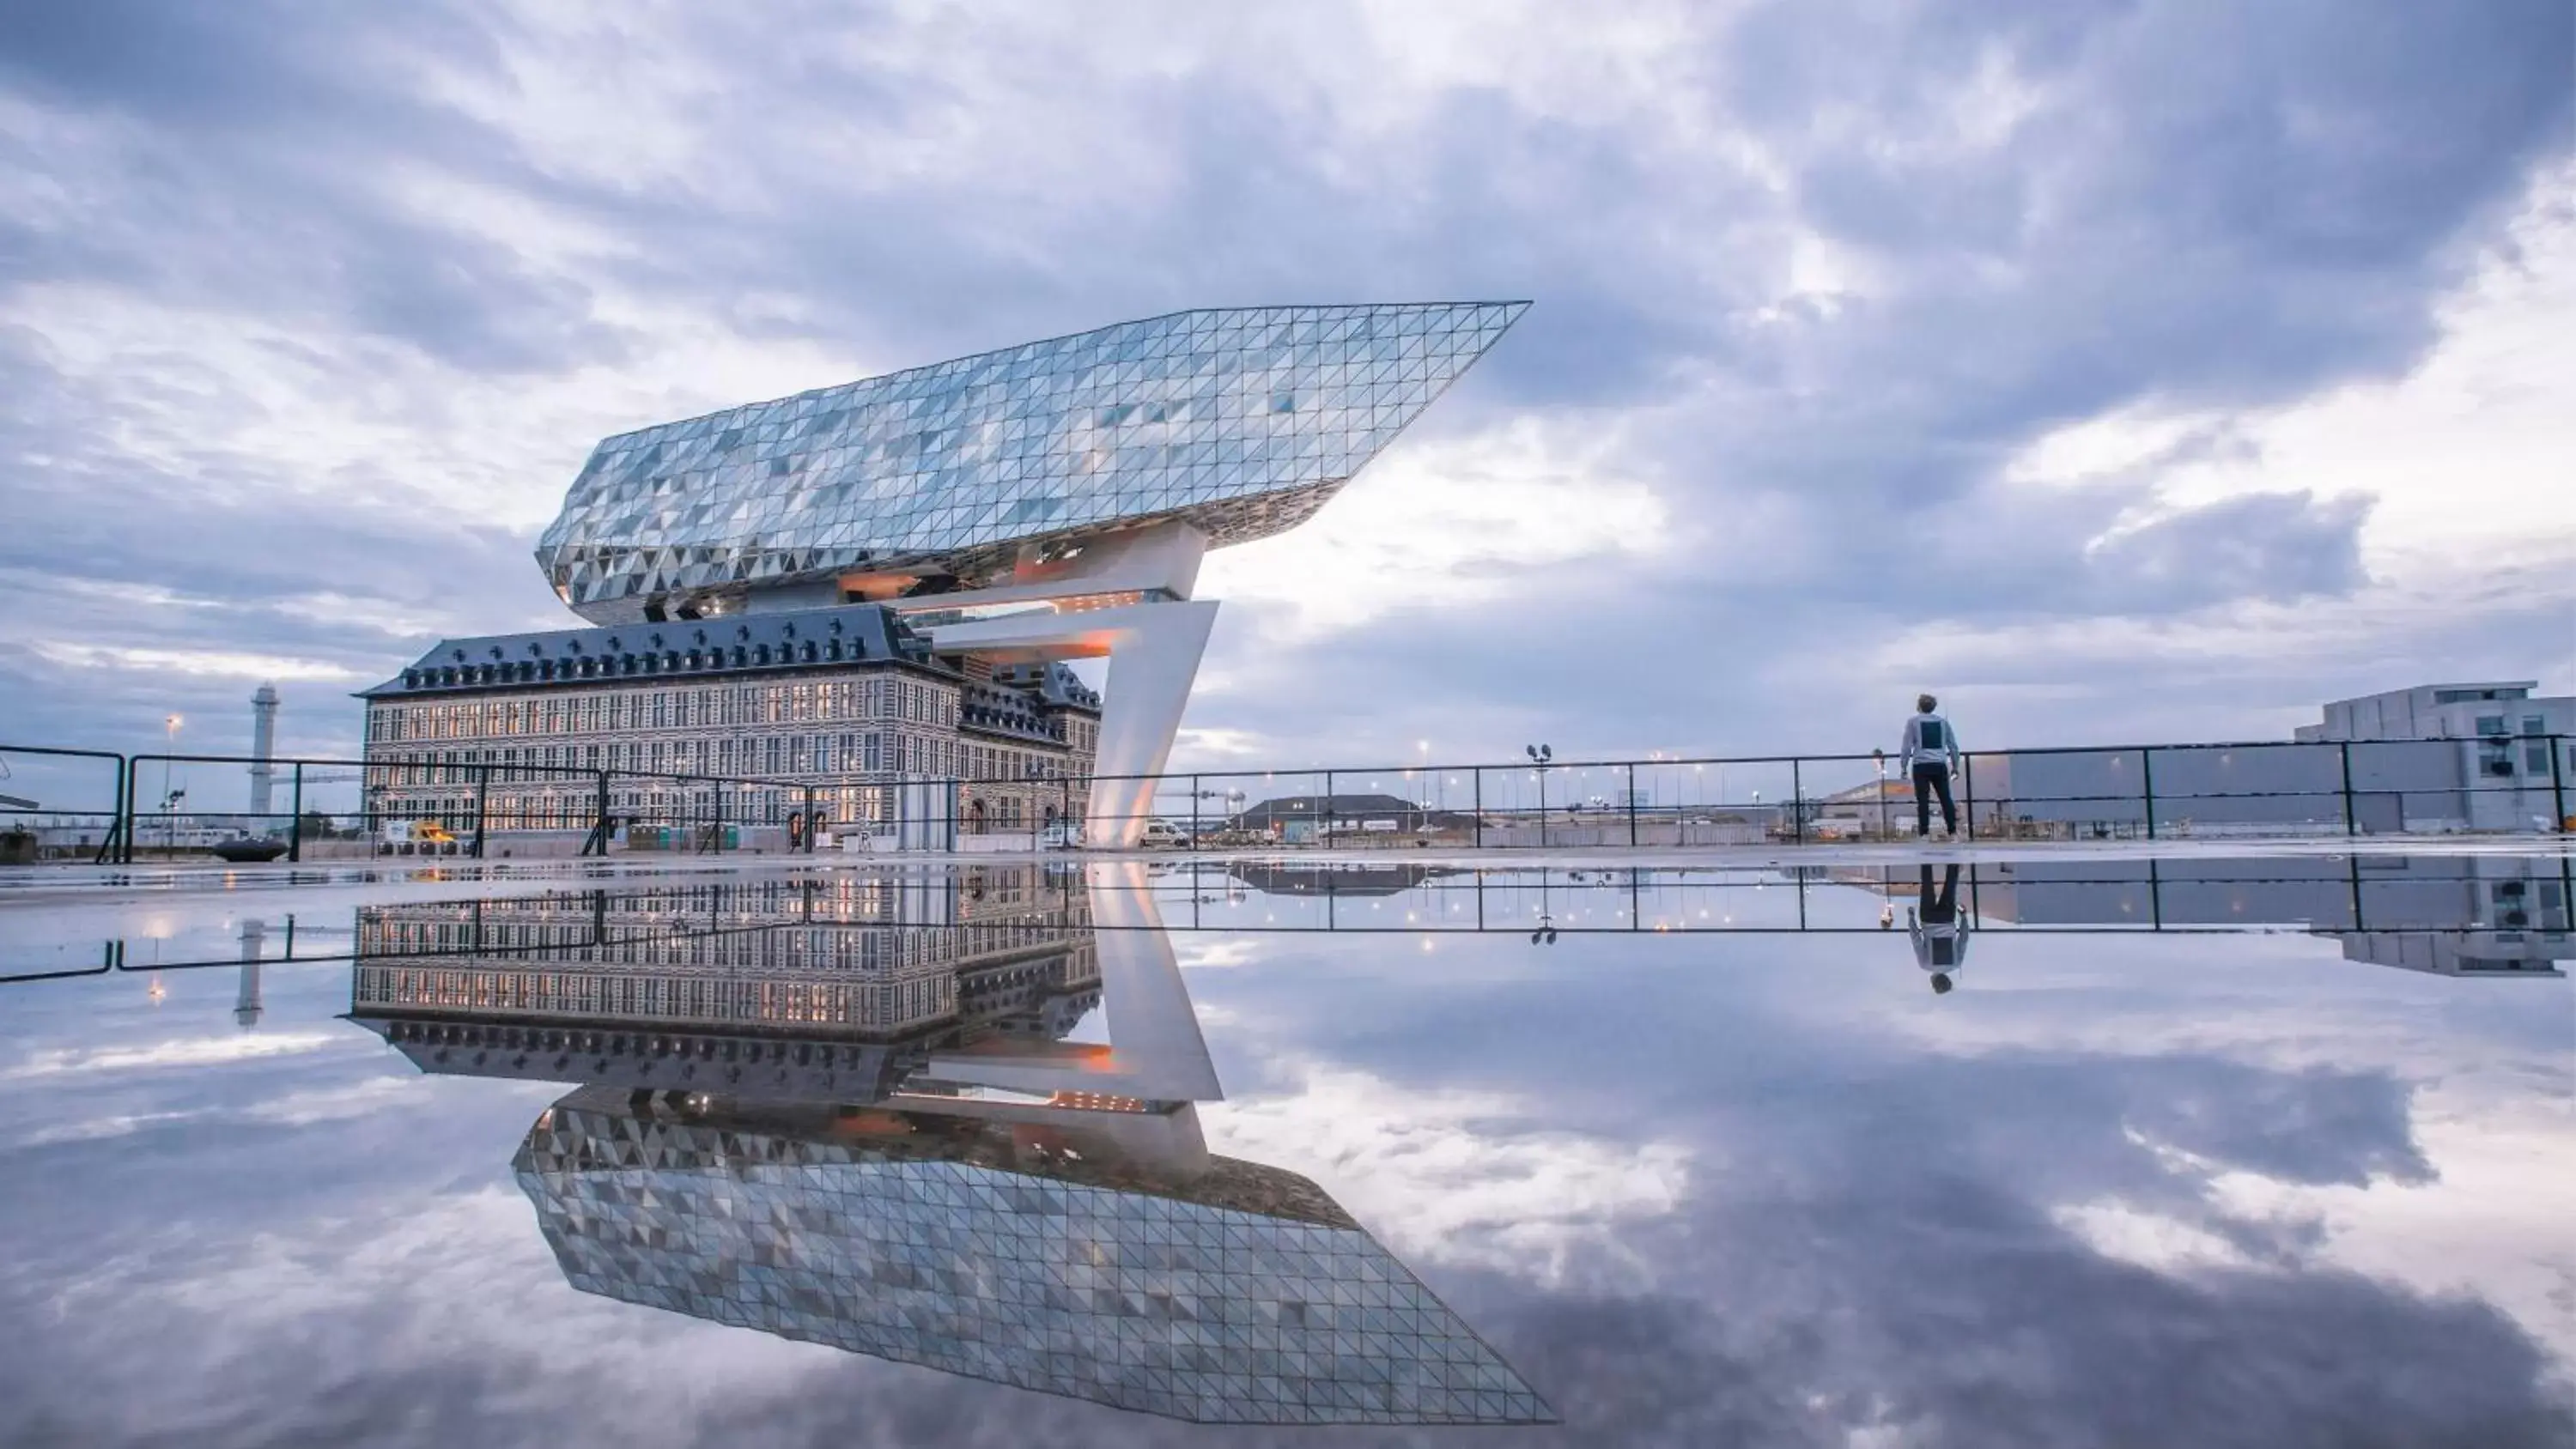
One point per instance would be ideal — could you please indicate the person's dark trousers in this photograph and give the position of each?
(1928, 778)
(1939, 907)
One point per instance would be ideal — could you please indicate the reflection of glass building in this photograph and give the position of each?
(957, 528)
(846, 1111)
(1034, 1253)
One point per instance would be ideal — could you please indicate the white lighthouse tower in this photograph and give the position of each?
(263, 748)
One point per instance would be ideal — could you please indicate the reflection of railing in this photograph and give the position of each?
(115, 952)
(2485, 896)
(2343, 894)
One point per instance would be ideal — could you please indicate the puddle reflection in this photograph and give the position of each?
(846, 1112)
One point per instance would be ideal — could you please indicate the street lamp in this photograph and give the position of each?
(169, 795)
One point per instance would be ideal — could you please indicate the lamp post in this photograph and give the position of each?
(1539, 756)
(1881, 757)
(169, 793)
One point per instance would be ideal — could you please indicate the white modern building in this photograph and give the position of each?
(992, 517)
(2489, 756)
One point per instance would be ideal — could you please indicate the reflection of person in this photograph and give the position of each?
(1931, 757)
(1940, 939)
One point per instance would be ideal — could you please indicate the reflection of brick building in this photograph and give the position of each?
(673, 986)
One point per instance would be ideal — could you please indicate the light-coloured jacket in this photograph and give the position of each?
(1916, 750)
(1942, 947)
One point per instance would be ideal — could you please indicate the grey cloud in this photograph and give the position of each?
(2278, 546)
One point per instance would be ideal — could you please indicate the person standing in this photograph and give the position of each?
(1940, 937)
(1931, 755)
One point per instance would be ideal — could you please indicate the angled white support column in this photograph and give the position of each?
(1156, 1052)
(1152, 643)
(1153, 651)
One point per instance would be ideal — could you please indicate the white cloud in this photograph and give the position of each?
(178, 1052)
(221, 663)
(2466, 456)
(1454, 1175)
(1517, 514)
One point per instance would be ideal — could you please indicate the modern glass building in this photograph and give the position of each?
(992, 516)
(1238, 423)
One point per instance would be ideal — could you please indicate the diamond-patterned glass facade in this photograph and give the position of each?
(1240, 422)
(1241, 1295)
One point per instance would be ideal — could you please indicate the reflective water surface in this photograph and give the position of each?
(1994, 1151)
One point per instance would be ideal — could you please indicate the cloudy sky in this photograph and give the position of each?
(2119, 371)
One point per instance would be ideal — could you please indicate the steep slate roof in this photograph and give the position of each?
(862, 632)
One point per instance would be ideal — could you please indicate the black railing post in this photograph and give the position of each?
(126, 851)
(2557, 783)
(482, 804)
(295, 816)
(1194, 816)
(2147, 779)
(600, 811)
(1477, 784)
(1328, 826)
(1632, 814)
(1968, 793)
(2350, 826)
(809, 820)
(1798, 806)
(107, 840)
(1542, 806)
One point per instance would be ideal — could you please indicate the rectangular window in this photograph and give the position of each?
(2490, 724)
(2533, 724)
(2535, 758)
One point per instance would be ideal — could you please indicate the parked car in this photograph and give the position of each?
(1058, 835)
(1162, 835)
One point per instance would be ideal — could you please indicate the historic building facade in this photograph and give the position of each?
(829, 710)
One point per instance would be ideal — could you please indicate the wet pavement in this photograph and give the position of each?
(1995, 1148)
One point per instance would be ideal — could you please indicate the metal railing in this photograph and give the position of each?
(450, 805)
(2501, 783)
(2509, 783)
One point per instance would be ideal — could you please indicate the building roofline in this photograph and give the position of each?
(1523, 303)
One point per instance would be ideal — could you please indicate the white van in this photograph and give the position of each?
(1162, 835)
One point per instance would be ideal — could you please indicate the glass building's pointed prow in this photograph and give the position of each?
(1237, 422)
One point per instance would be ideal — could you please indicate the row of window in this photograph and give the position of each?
(765, 757)
(762, 756)
(703, 999)
(712, 706)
